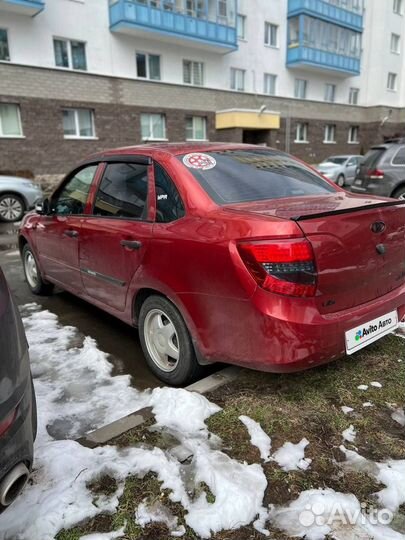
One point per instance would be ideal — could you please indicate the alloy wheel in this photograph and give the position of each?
(161, 340)
(11, 208)
(31, 270)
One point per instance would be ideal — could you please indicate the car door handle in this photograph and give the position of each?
(131, 244)
(70, 233)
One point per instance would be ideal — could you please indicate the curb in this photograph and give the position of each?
(137, 418)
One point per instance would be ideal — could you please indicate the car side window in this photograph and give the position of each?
(399, 158)
(351, 162)
(72, 198)
(123, 191)
(169, 205)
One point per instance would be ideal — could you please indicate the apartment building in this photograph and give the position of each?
(313, 77)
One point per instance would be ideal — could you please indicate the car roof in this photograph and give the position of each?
(345, 156)
(173, 149)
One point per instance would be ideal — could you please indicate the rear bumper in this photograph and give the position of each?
(269, 334)
(378, 188)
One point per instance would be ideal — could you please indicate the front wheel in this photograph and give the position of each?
(166, 342)
(32, 274)
(399, 194)
(341, 180)
(12, 208)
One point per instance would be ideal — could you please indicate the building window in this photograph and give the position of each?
(270, 84)
(70, 54)
(193, 73)
(78, 124)
(241, 26)
(196, 128)
(392, 81)
(10, 120)
(4, 51)
(330, 92)
(153, 127)
(238, 79)
(354, 96)
(300, 88)
(270, 34)
(330, 133)
(148, 66)
(353, 135)
(301, 133)
(398, 7)
(395, 43)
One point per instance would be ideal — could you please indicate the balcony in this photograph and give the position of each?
(24, 7)
(170, 21)
(316, 59)
(347, 13)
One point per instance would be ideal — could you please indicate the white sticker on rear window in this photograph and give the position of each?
(203, 162)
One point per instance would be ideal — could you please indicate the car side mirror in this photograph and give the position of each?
(43, 208)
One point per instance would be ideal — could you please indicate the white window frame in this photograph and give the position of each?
(77, 136)
(69, 53)
(21, 135)
(234, 79)
(243, 19)
(300, 84)
(354, 91)
(266, 77)
(205, 128)
(304, 127)
(147, 55)
(398, 7)
(397, 39)
(202, 72)
(329, 136)
(392, 77)
(145, 139)
(351, 140)
(268, 33)
(330, 87)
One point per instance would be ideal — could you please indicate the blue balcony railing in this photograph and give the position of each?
(334, 13)
(315, 58)
(130, 16)
(27, 7)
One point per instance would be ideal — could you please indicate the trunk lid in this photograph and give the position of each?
(358, 242)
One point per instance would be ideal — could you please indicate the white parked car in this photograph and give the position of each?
(17, 195)
(340, 169)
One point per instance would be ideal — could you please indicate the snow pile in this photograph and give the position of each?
(291, 457)
(318, 513)
(376, 384)
(399, 416)
(391, 473)
(258, 437)
(346, 410)
(104, 536)
(349, 434)
(363, 387)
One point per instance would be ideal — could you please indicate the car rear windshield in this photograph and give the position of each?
(237, 176)
(372, 157)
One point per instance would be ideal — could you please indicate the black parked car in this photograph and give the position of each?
(18, 414)
(382, 171)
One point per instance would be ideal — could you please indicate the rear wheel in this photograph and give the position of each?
(12, 207)
(166, 342)
(400, 193)
(32, 273)
(340, 180)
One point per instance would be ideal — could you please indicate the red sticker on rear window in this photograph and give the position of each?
(204, 162)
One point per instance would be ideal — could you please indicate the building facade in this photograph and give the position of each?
(312, 77)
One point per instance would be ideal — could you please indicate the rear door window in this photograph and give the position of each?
(372, 157)
(399, 157)
(123, 191)
(237, 176)
(169, 205)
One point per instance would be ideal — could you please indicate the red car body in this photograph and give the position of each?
(209, 264)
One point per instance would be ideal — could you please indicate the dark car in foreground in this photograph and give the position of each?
(382, 171)
(18, 415)
(221, 252)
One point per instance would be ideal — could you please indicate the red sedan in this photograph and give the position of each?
(220, 252)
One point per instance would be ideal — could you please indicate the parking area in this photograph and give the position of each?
(119, 341)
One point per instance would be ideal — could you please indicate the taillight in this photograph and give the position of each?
(284, 267)
(375, 174)
(7, 422)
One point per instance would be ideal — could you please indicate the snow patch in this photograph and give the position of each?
(376, 384)
(347, 410)
(258, 437)
(158, 513)
(399, 416)
(368, 404)
(291, 457)
(104, 536)
(349, 434)
(363, 387)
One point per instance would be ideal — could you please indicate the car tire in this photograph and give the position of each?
(163, 332)
(340, 180)
(12, 208)
(399, 193)
(32, 273)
